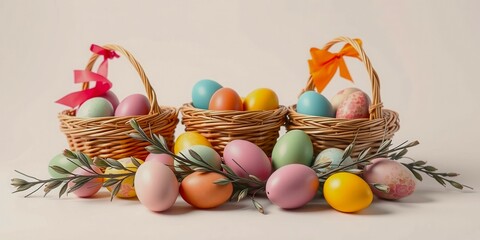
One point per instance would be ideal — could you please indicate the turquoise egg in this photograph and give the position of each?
(95, 107)
(207, 154)
(315, 104)
(293, 147)
(333, 155)
(62, 161)
(202, 92)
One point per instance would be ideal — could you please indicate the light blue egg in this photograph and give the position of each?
(210, 156)
(333, 155)
(95, 107)
(315, 104)
(202, 92)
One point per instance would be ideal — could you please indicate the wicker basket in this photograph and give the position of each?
(332, 132)
(107, 136)
(221, 127)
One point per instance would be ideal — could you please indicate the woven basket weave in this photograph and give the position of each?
(221, 127)
(333, 132)
(107, 137)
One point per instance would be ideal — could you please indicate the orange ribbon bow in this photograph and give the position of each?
(324, 64)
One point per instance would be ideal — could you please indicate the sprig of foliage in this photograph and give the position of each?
(50, 184)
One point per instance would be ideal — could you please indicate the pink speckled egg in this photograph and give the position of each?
(354, 106)
(89, 188)
(399, 178)
(133, 105)
(162, 157)
(292, 186)
(156, 186)
(250, 157)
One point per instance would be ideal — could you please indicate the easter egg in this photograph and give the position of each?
(189, 139)
(334, 156)
(89, 188)
(127, 189)
(225, 99)
(133, 105)
(354, 106)
(341, 96)
(261, 99)
(347, 192)
(156, 186)
(95, 107)
(199, 190)
(112, 98)
(160, 157)
(208, 155)
(203, 91)
(396, 176)
(62, 161)
(292, 186)
(246, 158)
(293, 147)
(315, 104)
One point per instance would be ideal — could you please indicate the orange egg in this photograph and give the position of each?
(226, 99)
(198, 190)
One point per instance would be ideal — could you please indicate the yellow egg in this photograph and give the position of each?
(347, 192)
(126, 189)
(261, 99)
(188, 139)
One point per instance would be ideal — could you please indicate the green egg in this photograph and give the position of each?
(206, 153)
(293, 147)
(62, 161)
(95, 107)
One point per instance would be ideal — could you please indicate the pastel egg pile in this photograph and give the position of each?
(108, 105)
(208, 94)
(350, 103)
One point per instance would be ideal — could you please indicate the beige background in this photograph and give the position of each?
(425, 52)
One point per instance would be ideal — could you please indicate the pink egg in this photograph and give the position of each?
(156, 186)
(341, 96)
(133, 105)
(246, 158)
(354, 106)
(89, 188)
(399, 178)
(112, 98)
(162, 157)
(292, 186)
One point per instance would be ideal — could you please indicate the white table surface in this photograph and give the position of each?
(425, 52)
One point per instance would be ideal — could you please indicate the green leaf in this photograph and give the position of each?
(115, 164)
(135, 162)
(227, 169)
(60, 170)
(258, 206)
(354, 171)
(54, 184)
(430, 168)
(456, 185)
(419, 163)
(440, 180)
(18, 182)
(110, 182)
(400, 154)
(69, 154)
(381, 187)
(160, 139)
(200, 169)
(222, 181)
(348, 151)
(417, 175)
(84, 160)
(322, 165)
(413, 144)
(385, 145)
(100, 162)
(63, 190)
(24, 187)
(82, 179)
(116, 190)
(76, 187)
(242, 194)
(195, 155)
(254, 178)
(153, 149)
(363, 153)
(136, 136)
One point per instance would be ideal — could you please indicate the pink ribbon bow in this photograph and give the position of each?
(102, 84)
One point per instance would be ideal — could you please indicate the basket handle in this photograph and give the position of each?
(377, 105)
(152, 97)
